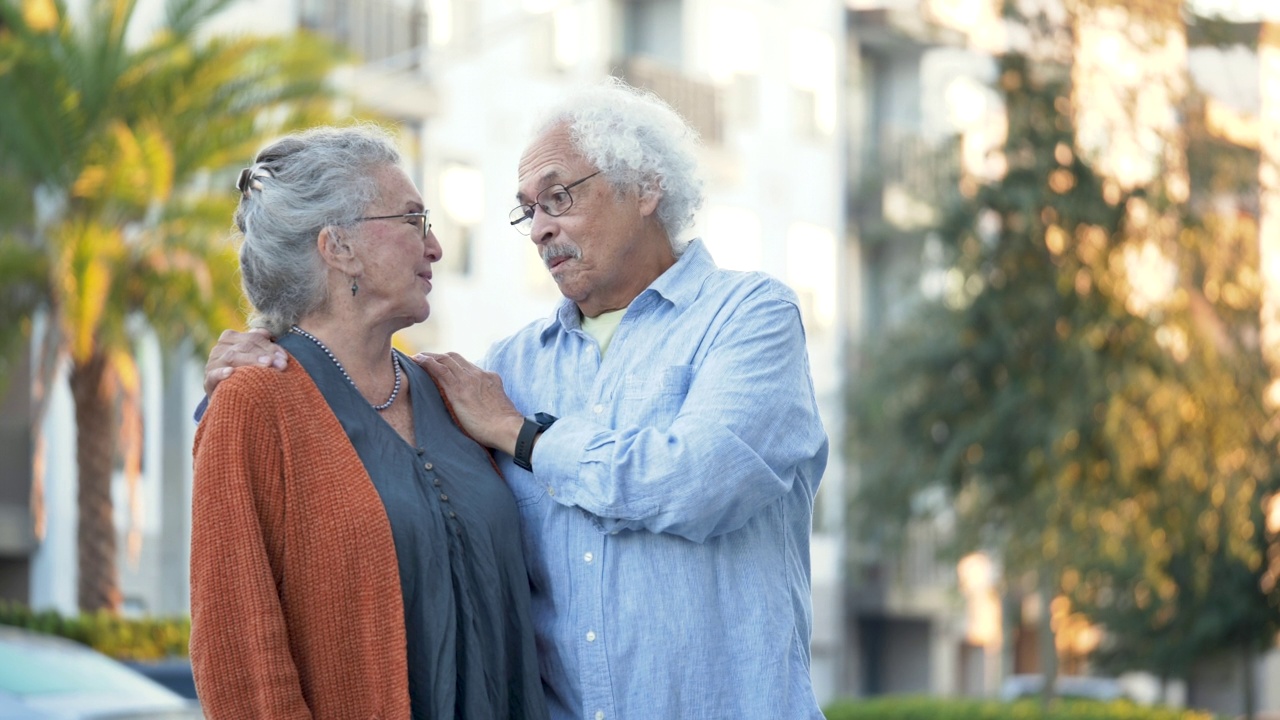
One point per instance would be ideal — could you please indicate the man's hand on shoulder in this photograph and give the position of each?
(478, 399)
(241, 349)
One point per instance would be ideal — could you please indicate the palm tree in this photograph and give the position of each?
(113, 160)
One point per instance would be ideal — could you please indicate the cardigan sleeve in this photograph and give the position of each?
(240, 653)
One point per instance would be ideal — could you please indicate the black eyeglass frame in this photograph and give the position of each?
(425, 215)
(524, 223)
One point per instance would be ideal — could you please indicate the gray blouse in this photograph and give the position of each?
(457, 537)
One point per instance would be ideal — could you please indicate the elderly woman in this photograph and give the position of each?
(353, 553)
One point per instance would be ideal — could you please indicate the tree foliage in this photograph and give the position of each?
(1058, 413)
(114, 157)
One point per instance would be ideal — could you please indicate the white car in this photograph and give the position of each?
(50, 678)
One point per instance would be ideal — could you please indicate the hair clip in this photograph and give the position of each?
(249, 180)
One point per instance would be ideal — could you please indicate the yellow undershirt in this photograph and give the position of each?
(602, 327)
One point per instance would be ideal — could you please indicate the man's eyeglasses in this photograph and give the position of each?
(554, 201)
(422, 220)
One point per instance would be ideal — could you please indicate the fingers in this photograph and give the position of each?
(443, 362)
(272, 356)
(215, 376)
(241, 349)
(433, 366)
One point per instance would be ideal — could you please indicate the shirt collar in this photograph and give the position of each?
(679, 285)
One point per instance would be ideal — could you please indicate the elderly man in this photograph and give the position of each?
(659, 430)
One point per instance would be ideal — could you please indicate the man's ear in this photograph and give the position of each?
(650, 196)
(337, 253)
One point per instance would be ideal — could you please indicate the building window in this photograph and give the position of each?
(811, 271)
(372, 29)
(812, 72)
(654, 29)
(458, 217)
(563, 36)
(733, 60)
(453, 23)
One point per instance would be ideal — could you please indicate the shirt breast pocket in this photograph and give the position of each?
(653, 398)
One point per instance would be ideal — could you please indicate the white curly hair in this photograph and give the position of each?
(636, 140)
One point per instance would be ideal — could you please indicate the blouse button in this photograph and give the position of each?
(444, 498)
(428, 466)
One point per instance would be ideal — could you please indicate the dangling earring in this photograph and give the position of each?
(354, 287)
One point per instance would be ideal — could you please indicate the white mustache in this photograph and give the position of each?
(551, 252)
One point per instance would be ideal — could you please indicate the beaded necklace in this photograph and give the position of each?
(395, 365)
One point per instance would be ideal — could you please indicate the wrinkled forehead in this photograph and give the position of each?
(551, 158)
(395, 189)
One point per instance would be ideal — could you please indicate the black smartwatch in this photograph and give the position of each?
(531, 429)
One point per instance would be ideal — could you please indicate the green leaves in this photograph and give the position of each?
(116, 139)
(1089, 400)
(115, 198)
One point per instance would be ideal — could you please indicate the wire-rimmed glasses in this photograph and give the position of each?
(554, 201)
(421, 219)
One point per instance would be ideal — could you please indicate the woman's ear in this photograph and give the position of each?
(337, 252)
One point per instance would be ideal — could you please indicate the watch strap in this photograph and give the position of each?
(529, 431)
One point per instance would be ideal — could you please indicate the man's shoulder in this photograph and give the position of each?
(745, 285)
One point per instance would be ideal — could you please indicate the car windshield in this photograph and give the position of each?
(36, 667)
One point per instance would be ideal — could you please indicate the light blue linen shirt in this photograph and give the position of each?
(666, 521)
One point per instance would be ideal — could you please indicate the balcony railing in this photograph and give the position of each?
(372, 29)
(906, 180)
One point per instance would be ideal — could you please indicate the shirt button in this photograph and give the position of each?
(428, 466)
(452, 515)
(599, 715)
(444, 498)
(436, 482)
(588, 557)
(551, 491)
(597, 409)
(591, 636)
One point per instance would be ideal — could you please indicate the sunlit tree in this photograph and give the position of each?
(114, 204)
(1085, 397)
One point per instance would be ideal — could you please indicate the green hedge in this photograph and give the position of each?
(929, 708)
(120, 638)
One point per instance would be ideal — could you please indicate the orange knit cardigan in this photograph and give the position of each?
(296, 609)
